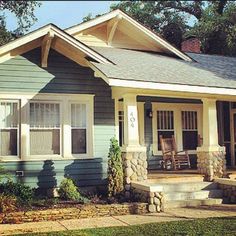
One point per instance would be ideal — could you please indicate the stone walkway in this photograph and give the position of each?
(125, 220)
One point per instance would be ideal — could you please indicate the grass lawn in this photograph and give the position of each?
(210, 226)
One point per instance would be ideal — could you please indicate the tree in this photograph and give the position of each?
(115, 169)
(24, 12)
(217, 29)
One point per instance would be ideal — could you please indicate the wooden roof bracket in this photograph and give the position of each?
(45, 47)
(111, 28)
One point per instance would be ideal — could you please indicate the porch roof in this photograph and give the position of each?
(208, 70)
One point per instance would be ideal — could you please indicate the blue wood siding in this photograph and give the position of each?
(24, 74)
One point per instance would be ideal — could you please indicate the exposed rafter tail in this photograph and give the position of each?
(45, 47)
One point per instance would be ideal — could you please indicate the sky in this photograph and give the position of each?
(62, 13)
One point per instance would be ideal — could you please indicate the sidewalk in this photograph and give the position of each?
(125, 220)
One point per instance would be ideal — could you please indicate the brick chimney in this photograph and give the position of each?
(191, 44)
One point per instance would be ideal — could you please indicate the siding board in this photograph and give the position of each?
(24, 74)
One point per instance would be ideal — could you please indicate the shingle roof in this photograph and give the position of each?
(208, 70)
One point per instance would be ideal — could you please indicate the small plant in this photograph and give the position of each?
(115, 169)
(23, 192)
(68, 190)
(4, 175)
(8, 203)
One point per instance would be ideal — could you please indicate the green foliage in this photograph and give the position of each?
(24, 12)
(22, 192)
(115, 169)
(8, 203)
(68, 190)
(217, 31)
(4, 175)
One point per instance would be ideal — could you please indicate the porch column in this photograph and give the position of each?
(133, 154)
(211, 156)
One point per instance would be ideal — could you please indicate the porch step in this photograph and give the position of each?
(174, 178)
(193, 203)
(199, 195)
(187, 186)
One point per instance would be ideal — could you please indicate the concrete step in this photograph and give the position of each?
(173, 178)
(188, 186)
(193, 203)
(202, 194)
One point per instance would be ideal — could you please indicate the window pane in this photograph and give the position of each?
(79, 129)
(190, 140)
(44, 142)
(44, 115)
(165, 120)
(8, 142)
(8, 128)
(78, 115)
(78, 141)
(190, 130)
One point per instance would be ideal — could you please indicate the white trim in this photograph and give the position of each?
(56, 31)
(65, 100)
(140, 108)
(171, 87)
(119, 14)
(176, 108)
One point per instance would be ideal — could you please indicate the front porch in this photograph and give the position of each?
(199, 126)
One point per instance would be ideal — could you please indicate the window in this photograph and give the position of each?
(165, 125)
(190, 130)
(49, 126)
(78, 128)
(44, 128)
(9, 128)
(121, 128)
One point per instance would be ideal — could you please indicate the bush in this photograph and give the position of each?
(4, 175)
(23, 192)
(8, 203)
(68, 191)
(115, 169)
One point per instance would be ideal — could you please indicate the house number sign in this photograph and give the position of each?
(132, 119)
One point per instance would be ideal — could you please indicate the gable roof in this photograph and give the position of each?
(209, 71)
(34, 39)
(121, 15)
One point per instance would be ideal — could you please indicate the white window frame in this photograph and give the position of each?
(65, 137)
(39, 128)
(177, 109)
(12, 157)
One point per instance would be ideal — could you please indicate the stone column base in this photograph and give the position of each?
(135, 168)
(211, 163)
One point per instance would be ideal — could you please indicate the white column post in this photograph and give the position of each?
(24, 129)
(210, 130)
(211, 156)
(131, 132)
(116, 103)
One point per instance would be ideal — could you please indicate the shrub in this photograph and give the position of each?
(68, 191)
(23, 192)
(4, 175)
(7, 203)
(115, 169)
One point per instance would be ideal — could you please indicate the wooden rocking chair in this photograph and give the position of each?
(170, 154)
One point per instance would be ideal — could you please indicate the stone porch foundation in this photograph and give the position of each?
(135, 168)
(211, 163)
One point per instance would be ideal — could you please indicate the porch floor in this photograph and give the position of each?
(181, 174)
